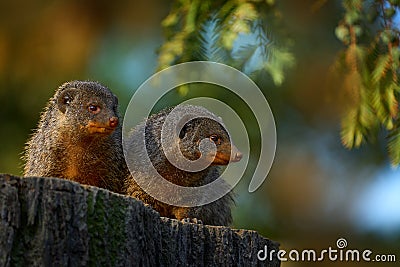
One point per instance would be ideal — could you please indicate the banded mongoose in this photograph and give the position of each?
(79, 138)
(195, 130)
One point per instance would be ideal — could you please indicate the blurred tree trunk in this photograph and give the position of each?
(46, 221)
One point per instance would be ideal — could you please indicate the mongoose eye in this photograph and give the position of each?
(216, 139)
(67, 100)
(94, 109)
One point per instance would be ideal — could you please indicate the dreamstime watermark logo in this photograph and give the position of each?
(340, 253)
(157, 86)
(341, 243)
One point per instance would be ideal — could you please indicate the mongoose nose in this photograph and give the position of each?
(238, 156)
(113, 122)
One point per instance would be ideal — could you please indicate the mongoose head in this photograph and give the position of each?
(200, 128)
(88, 106)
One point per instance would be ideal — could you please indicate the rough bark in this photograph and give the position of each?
(55, 222)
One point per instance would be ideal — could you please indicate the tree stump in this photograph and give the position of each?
(56, 222)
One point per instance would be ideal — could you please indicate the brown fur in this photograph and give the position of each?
(77, 143)
(215, 213)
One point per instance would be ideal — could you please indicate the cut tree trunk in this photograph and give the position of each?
(55, 222)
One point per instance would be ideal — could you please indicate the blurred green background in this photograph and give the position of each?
(316, 192)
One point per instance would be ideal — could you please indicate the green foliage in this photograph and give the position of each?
(242, 33)
(233, 32)
(394, 143)
(370, 65)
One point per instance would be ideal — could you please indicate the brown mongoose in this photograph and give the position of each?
(214, 213)
(79, 138)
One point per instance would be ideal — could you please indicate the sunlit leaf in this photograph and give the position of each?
(381, 68)
(394, 145)
(228, 38)
(276, 73)
(170, 20)
(350, 135)
(342, 33)
(183, 90)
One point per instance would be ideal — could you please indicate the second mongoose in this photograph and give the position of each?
(197, 129)
(79, 138)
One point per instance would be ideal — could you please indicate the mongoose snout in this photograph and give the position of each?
(102, 128)
(113, 122)
(236, 155)
(226, 151)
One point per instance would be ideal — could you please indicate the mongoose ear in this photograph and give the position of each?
(65, 99)
(184, 130)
